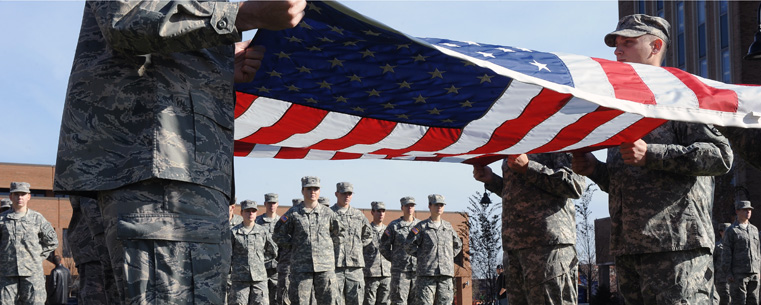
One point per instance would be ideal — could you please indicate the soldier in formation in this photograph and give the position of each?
(354, 235)
(252, 247)
(377, 267)
(741, 256)
(722, 296)
(268, 220)
(5, 204)
(392, 248)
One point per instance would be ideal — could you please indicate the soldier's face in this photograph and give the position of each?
(378, 215)
(436, 209)
(271, 207)
(311, 193)
(343, 198)
(743, 214)
(640, 50)
(408, 209)
(20, 200)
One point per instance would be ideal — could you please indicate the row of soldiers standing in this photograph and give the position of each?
(737, 258)
(315, 254)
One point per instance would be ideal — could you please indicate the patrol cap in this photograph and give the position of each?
(637, 25)
(742, 204)
(310, 181)
(324, 201)
(270, 197)
(20, 187)
(436, 199)
(296, 201)
(407, 200)
(344, 187)
(723, 227)
(248, 204)
(499, 267)
(5, 203)
(378, 205)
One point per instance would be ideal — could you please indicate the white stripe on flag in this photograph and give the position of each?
(264, 151)
(587, 74)
(669, 91)
(333, 126)
(263, 112)
(607, 130)
(403, 136)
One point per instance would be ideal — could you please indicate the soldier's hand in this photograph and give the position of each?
(269, 14)
(482, 173)
(248, 60)
(634, 153)
(583, 163)
(518, 163)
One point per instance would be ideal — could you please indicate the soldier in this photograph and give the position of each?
(740, 258)
(435, 244)
(26, 238)
(235, 219)
(538, 225)
(252, 247)
(720, 279)
(324, 201)
(659, 190)
(147, 128)
(392, 248)
(268, 220)
(5, 204)
(309, 229)
(355, 234)
(377, 267)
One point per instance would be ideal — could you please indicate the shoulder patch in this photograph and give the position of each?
(415, 230)
(387, 233)
(284, 218)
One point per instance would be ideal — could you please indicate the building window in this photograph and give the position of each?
(702, 44)
(726, 75)
(681, 52)
(659, 9)
(703, 67)
(641, 7)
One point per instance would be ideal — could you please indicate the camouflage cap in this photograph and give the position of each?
(324, 201)
(296, 201)
(310, 181)
(637, 25)
(436, 199)
(378, 205)
(20, 187)
(723, 227)
(270, 197)
(5, 203)
(248, 204)
(742, 204)
(407, 200)
(344, 187)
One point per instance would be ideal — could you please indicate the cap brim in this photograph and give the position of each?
(610, 39)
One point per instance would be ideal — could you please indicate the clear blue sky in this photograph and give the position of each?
(39, 38)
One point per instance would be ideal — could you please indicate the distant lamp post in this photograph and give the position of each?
(485, 200)
(754, 52)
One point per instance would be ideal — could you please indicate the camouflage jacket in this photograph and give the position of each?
(665, 205)
(435, 248)
(150, 95)
(354, 235)
(720, 276)
(392, 245)
(269, 224)
(537, 209)
(741, 250)
(310, 237)
(24, 242)
(250, 251)
(236, 220)
(375, 264)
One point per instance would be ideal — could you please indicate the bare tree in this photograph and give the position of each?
(485, 227)
(585, 235)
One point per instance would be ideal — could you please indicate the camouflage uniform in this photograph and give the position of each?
(88, 249)
(661, 230)
(25, 240)
(270, 265)
(355, 234)
(741, 259)
(435, 249)
(309, 235)
(539, 229)
(236, 220)
(377, 270)
(402, 264)
(721, 293)
(149, 114)
(251, 249)
(284, 267)
(746, 142)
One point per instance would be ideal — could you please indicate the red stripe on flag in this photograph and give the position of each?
(366, 131)
(435, 139)
(632, 133)
(291, 153)
(626, 82)
(577, 131)
(345, 156)
(242, 149)
(298, 119)
(242, 102)
(709, 98)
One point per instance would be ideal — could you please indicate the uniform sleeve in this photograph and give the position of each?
(270, 249)
(283, 231)
(457, 243)
(727, 252)
(701, 151)
(387, 239)
(412, 243)
(601, 176)
(495, 183)
(143, 27)
(367, 231)
(48, 238)
(556, 177)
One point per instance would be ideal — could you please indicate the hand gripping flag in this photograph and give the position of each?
(342, 86)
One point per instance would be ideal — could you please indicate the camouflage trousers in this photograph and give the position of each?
(283, 281)
(377, 290)
(744, 289)
(168, 242)
(92, 290)
(244, 293)
(351, 285)
(322, 284)
(272, 285)
(722, 294)
(542, 275)
(679, 277)
(402, 288)
(23, 289)
(431, 290)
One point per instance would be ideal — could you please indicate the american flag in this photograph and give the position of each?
(342, 86)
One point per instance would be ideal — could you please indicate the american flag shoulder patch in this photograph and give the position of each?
(284, 218)
(387, 233)
(415, 230)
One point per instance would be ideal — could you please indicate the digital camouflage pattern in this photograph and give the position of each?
(270, 265)
(678, 277)
(434, 248)
(542, 275)
(378, 290)
(746, 142)
(25, 240)
(720, 277)
(236, 220)
(744, 289)
(250, 250)
(402, 264)
(403, 288)
(90, 253)
(355, 233)
(350, 285)
(377, 270)
(434, 290)
(244, 293)
(313, 288)
(741, 260)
